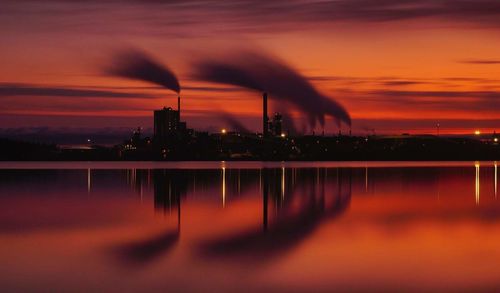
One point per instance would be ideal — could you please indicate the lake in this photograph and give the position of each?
(249, 226)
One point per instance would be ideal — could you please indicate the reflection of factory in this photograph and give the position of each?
(289, 214)
(295, 202)
(169, 188)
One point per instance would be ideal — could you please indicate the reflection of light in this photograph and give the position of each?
(223, 186)
(477, 132)
(495, 179)
(223, 131)
(88, 180)
(282, 182)
(317, 178)
(239, 181)
(133, 177)
(477, 182)
(260, 179)
(366, 179)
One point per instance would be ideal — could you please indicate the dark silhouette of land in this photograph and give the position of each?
(244, 146)
(172, 140)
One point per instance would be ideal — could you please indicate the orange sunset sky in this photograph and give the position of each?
(396, 66)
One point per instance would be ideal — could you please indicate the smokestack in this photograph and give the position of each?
(179, 108)
(265, 119)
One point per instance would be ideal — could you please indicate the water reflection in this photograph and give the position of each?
(298, 198)
(496, 178)
(477, 182)
(300, 207)
(225, 220)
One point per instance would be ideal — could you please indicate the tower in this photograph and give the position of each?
(265, 119)
(179, 109)
(277, 124)
(166, 123)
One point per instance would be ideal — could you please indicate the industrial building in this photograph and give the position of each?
(168, 125)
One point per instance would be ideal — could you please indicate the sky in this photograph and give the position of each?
(395, 66)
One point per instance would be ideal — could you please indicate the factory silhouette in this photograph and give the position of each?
(259, 72)
(269, 78)
(174, 140)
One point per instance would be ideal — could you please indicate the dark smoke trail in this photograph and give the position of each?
(234, 123)
(288, 123)
(138, 65)
(263, 73)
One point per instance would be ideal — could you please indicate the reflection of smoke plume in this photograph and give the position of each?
(144, 251)
(138, 65)
(263, 73)
(293, 224)
(234, 123)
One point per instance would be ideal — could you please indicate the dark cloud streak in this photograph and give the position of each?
(481, 61)
(173, 17)
(26, 90)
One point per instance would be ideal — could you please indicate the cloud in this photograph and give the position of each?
(402, 83)
(480, 61)
(443, 101)
(182, 18)
(438, 94)
(28, 90)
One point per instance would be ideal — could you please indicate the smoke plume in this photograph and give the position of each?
(134, 64)
(263, 73)
(234, 123)
(288, 123)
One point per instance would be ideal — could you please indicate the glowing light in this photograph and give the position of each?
(89, 178)
(223, 131)
(496, 175)
(223, 186)
(366, 179)
(477, 132)
(282, 182)
(477, 182)
(283, 135)
(88, 140)
(495, 139)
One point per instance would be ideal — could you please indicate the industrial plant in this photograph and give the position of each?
(257, 72)
(174, 140)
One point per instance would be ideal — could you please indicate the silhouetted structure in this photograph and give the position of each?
(265, 118)
(166, 123)
(276, 125)
(170, 134)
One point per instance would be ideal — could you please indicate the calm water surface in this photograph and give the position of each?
(218, 227)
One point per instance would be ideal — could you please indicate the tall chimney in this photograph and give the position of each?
(265, 119)
(179, 108)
